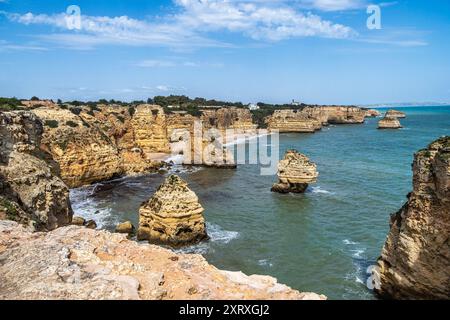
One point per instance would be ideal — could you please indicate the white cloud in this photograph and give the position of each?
(162, 88)
(8, 46)
(334, 5)
(192, 26)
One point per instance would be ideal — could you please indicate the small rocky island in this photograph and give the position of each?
(172, 215)
(415, 261)
(395, 113)
(389, 122)
(295, 172)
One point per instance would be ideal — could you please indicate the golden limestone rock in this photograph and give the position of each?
(198, 144)
(237, 119)
(87, 264)
(389, 122)
(293, 121)
(415, 260)
(395, 113)
(295, 172)
(312, 118)
(344, 115)
(172, 215)
(30, 190)
(150, 129)
(93, 144)
(372, 113)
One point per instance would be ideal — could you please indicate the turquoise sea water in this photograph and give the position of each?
(321, 241)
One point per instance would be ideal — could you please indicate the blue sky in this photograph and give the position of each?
(316, 51)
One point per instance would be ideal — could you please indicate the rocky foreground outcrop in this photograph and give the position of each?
(389, 122)
(30, 190)
(415, 260)
(295, 172)
(78, 263)
(172, 215)
(395, 113)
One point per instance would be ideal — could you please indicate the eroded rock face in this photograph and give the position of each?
(93, 145)
(389, 122)
(30, 190)
(395, 113)
(372, 113)
(310, 119)
(293, 121)
(344, 115)
(415, 259)
(172, 215)
(295, 172)
(88, 264)
(150, 129)
(198, 144)
(238, 119)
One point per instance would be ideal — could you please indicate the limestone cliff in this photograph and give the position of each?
(172, 215)
(238, 119)
(395, 113)
(200, 144)
(310, 119)
(294, 121)
(295, 172)
(389, 122)
(95, 145)
(344, 115)
(81, 263)
(150, 129)
(415, 260)
(30, 191)
(372, 113)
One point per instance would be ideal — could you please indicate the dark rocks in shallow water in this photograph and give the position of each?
(125, 227)
(91, 224)
(78, 221)
(289, 188)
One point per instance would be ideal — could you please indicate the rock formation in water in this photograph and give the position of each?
(295, 172)
(344, 115)
(395, 113)
(172, 215)
(78, 263)
(372, 113)
(30, 190)
(415, 260)
(389, 122)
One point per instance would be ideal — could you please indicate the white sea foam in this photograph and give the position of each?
(85, 206)
(216, 235)
(320, 190)
(346, 241)
(265, 263)
(358, 253)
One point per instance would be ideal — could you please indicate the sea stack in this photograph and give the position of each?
(415, 260)
(372, 113)
(395, 113)
(295, 172)
(389, 122)
(172, 215)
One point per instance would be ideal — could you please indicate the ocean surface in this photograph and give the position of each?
(321, 241)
